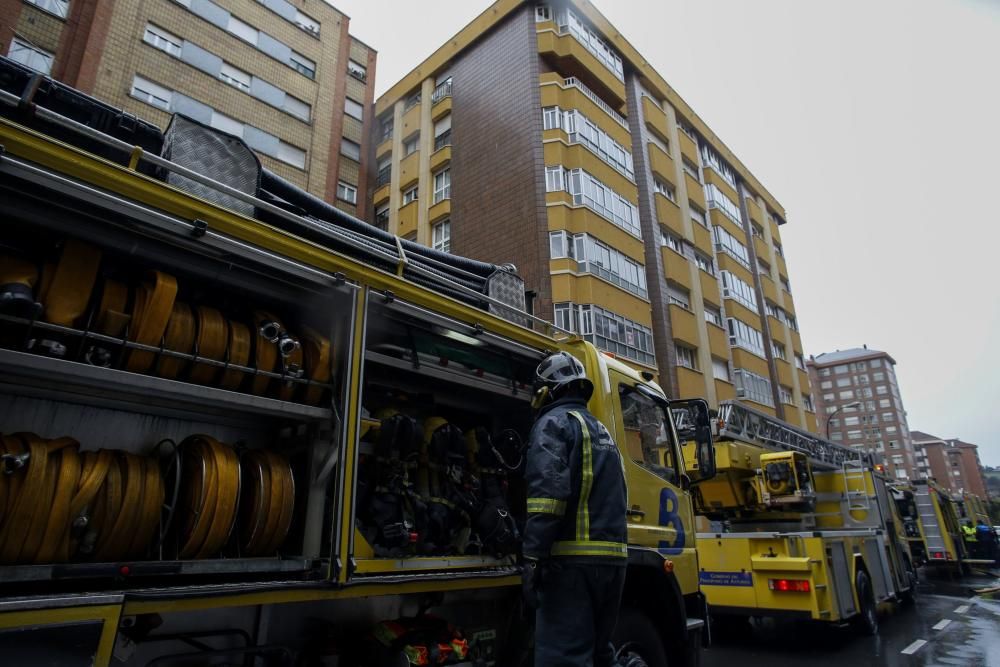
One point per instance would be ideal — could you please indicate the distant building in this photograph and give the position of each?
(952, 463)
(285, 76)
(858, 404)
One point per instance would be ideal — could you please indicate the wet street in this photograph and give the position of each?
(948, 625)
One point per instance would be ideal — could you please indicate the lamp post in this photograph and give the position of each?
(834, 413)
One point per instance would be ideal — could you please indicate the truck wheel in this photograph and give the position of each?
(866, 621)
(637, 640)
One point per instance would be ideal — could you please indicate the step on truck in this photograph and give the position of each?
(238, 425)
(796, 526)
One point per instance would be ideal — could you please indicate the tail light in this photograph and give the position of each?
(789, 585)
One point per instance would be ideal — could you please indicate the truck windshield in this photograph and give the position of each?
(648, 436)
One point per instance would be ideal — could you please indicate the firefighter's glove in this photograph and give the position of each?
(531, 581)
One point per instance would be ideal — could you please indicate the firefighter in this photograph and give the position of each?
(969, 535)
(987, 540)
(575, 535)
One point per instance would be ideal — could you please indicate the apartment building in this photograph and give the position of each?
(858, 400)
(538, 135)
(950, 462)
(285, 75)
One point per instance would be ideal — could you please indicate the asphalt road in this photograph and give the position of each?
(948, 625)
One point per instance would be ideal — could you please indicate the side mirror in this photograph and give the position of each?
(685, 482)
(692, 420)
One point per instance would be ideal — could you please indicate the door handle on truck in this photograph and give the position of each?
(635, 511)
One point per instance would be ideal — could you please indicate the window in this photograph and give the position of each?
(382, 217)
(221, 121)
(891, 430)
(564, 316)
(410, 195)
(30, 56)
(543, 13)
(778, 350)
(851, 421)
(772, 310)
(785, 394)
(720, 369)
(441, 236)
(616, 334)
(807, 403)
(350, 149)
(292, 155)
(411, 145)
(713, 315)
(58, 7)
(792, 323)
(671, 241)
(753, 387)
(690, 168)
(555, 179)
(347, 192)
(297, 107)
(697, 215)
(730, 245)
(843, 382)
(778, 251)
(648, 433)
(162, 40)
(235, 77)
(800, 363)
(242, 30)
(745, 336)
(442, 185)
(738, 289)
(876, 363)
(354, 109)
(784, 284)
(704, 263)
(302, 64)
(826, 385)
(600, 259)
(878, 377)
(357, 70)
(665, 189)
(411, 101)
(757, 230)
(884, 403)
(840, 368)
(598, 197)
(560, 245)
(568, 22)
(582, 130)
(687, 357)
(551, 118)
(837, 436)
(385, 126)
(662, 144)
(307, 23)
(763, 268)
(712, 159)
(881, 389)
(854, 435)
(442, 133)
(678, 296)
(151, 93)
(718, 200)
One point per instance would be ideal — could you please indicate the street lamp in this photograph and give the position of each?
(832, 414)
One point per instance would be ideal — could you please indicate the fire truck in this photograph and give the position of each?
(797, 526)
(240, 425)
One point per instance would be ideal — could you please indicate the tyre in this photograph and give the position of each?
(637, 640)
(866, 621)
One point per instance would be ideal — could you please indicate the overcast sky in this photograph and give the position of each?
(876, 123)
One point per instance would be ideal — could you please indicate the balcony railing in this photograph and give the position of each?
(576, 83)
(442, 140)
(383, 177)
(442, 91)
(382, 221)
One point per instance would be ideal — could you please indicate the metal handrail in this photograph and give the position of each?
(442, 91)
(138, 154)
(576, 83)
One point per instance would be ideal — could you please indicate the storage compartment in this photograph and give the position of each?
(163, 411)
(447, 411)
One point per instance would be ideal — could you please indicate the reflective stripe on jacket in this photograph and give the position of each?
(576, 487)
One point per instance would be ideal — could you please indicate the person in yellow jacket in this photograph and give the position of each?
(969, 536)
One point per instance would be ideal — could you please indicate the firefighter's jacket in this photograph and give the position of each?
(576, 488)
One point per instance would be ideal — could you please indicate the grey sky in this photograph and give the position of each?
(875, 123)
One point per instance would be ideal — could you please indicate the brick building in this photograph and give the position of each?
(538, 135)
(286, 75)
(858, 400)
(950, 462)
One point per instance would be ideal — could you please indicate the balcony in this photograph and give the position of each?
(668, 214)
(683, 324)
(689, 148)
(573, 82)
(696, 191)
(411, 121)
(569, 56)
(718, 340)
(703, 238)
(761, 249)
(409, 170)
(383, 148)
(754, 210)
(442, 91)
(690, 382)
(709, 285)
(442, 140)
(440, 158)
(678, 269)
(384, 176)
(441, 101)
(655, 118)
(724, 391)
(408, 218)
(662, 164)
(769, 289)
(438, 211)
(785, 372)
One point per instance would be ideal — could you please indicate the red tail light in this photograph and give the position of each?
(789, 585)
(937, 555)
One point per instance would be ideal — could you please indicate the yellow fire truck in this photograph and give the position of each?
(238, 424)
(797, 526)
